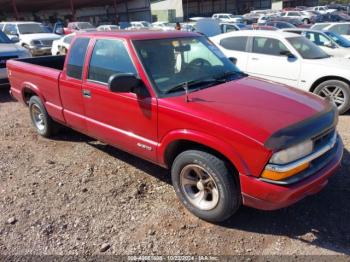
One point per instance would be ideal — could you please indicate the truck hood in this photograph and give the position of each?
(250, 106)
(45, 36)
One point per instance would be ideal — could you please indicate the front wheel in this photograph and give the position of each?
(205, 185)
(338, 91)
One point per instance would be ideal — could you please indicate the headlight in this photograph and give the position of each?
(36, 42)
(293, 153)
(286, 156)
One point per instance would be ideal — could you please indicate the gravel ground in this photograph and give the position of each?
(73, 195)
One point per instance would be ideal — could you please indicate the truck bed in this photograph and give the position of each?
(54, 62)
(41, 76)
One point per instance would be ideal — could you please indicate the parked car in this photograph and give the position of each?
(332, 43)
(303, 17)
(9, 50)
(78, 26)
(31, 36)
(273, 145)
(293, 21)
(165, 26)
(61, 46)
(339, 28)
(139, 25)
(322, 9)
(335, 17)
(279, 24)
(228, 18)
(107, 28)
(289, 59)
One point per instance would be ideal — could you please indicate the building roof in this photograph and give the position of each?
(37, 5)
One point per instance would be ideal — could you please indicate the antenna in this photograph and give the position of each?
(185, 86)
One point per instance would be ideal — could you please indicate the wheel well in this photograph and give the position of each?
(326, 78)
(177, 147)
(27, 94)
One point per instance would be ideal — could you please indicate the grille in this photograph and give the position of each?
(47, 42)
(3, 60)
(323, 139)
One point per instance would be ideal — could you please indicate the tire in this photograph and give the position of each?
(330, 88)
(224, 199)
(306, 21)
(42, 122)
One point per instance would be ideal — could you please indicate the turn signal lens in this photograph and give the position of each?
(273, 175)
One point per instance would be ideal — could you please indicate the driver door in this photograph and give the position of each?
(125, 120)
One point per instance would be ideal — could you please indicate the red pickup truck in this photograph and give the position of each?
(174, 99)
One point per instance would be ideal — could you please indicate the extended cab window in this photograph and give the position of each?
(108, 58)
(235, 43)
(76, 58)
(268, 46)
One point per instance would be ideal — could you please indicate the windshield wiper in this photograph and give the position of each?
(186, 85)
(224, 76)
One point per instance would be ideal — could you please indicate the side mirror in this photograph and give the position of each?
(233, 60)
(15, 39)
(287, 54)
(329, 44)
(123, 83)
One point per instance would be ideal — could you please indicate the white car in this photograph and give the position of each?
(228, 18)
(341, 28)
(289, 59)
(61, 46)
(322, 9)
(302, 16)
(165, 26)
(332, 43)
(139, 25)
(30, 35)
(107, 28)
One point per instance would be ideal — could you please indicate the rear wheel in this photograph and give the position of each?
(205, 185)
(42, 122)
(338, 91)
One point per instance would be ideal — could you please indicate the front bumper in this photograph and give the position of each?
(37, 51)
(267, 196)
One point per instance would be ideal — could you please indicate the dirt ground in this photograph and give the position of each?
(73, 195)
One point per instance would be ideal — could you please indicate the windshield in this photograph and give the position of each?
(306, 48)
(25, 29)
(173, 62)
(340, 40)
(85, 25)
(4, 39)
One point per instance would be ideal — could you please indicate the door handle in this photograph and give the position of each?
(86, 93)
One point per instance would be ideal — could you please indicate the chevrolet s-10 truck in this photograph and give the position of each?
(174, 99)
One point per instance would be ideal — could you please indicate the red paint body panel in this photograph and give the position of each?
(235, 118)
